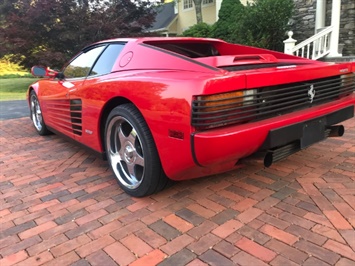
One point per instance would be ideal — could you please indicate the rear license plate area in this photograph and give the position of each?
(313, 132)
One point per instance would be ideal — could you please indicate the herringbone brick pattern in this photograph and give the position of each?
(60, 205)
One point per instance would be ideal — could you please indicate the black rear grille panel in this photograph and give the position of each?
(269, 102)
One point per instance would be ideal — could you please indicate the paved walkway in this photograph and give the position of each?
(60, 205)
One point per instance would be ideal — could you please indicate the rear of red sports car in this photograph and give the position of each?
(256, 101)
(184, 108)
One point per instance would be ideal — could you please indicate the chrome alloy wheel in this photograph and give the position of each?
(36, 113)
(125, 152)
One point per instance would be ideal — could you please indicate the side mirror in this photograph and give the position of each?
(39, 71)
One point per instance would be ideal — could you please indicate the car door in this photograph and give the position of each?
(87, 100)
(63, 114)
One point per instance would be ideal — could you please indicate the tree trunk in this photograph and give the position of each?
(198, 10)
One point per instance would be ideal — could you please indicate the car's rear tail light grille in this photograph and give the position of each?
(211, 111)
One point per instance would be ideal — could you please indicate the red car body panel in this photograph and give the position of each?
(162, 84)
(253, 134)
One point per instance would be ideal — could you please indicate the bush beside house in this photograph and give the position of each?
(262, 24)
(231, 18)
(199, 30)
(302, 23)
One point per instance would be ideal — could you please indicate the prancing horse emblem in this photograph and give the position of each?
(311, 93)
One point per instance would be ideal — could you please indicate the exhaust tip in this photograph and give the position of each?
(268, 159)
(341, 130)
(336, 131)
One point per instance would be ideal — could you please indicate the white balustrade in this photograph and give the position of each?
(314, 47)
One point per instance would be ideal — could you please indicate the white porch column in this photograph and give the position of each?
(334, 39)
(289, 43)
(320, 15)
(218, 7)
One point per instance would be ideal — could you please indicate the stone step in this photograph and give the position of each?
(350, 58)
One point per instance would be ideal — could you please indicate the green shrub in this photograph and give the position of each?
(199, 30)
(9, 69)
(262, 24)
(230, 18)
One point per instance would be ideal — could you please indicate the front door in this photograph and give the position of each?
(63, 113)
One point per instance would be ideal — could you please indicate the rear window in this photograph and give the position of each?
(107, 59)
(189, 49)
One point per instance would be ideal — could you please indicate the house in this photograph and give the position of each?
(326, 29)
(166, 20)
(174, 17)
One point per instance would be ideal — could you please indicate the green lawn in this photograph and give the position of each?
(14, 88)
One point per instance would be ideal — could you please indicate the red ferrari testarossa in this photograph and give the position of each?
(182, 108)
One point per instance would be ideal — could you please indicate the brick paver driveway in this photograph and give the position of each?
(60, 205)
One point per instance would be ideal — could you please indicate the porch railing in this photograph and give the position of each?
(314, 47)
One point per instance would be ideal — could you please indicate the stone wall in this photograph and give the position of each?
(303, 22)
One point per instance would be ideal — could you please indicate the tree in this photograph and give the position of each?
(230, 16)
(262, 24)
(198, 10)
(268, 22)
(49, 32)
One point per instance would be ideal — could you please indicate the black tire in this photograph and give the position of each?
(131, 152)
(36, 115)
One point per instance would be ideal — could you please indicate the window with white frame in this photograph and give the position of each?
(206, 2)
(188, 4)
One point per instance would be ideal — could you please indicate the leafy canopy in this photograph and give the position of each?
(49, 32)
(262, 23)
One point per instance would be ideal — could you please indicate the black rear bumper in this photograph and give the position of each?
(284, 141)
